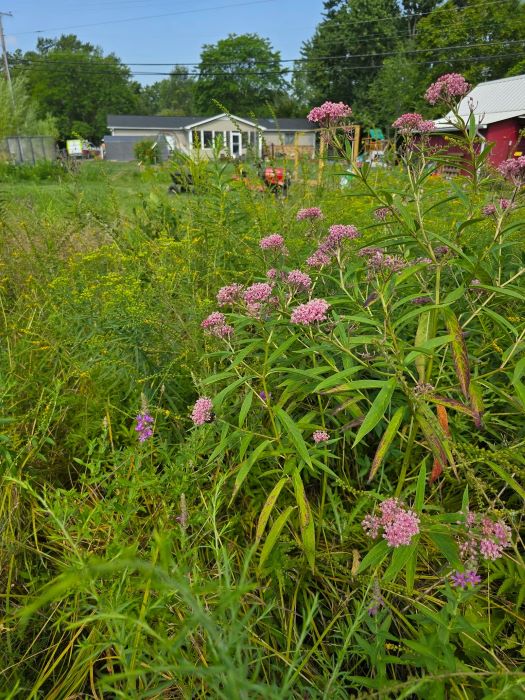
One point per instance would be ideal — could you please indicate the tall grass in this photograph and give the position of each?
(132, 570)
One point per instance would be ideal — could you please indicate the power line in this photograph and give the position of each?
(87, 70)
(140, 19)
(243, 4)
(48, 62)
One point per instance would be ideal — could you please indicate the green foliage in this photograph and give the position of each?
(243, 72)
(18, 112)
(76, 83)
(228, 560)
(147, 152)
(349, 29)
(465, 25)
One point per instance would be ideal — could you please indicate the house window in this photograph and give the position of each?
(207, 139)
(289, 138)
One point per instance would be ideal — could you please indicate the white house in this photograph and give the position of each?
(235, 135)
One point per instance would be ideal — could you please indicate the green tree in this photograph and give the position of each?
(347, 50)
(397, 88)
(488, 34)
(177, 93)
(243, 73)
(19, 113)
(77, 84)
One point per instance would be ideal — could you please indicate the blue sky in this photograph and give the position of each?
(176, 37)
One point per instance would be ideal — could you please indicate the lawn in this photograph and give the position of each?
(317, 492)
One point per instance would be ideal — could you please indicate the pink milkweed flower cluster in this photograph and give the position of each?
(229, 294)
(399, 525)
(504, 204)
(483, 537)
(273, 242)
(336, 234)
(462, 579)
(318, 259)
(413, 123)
(309, 213)
(449, 87)
(320, 436)
(331, 243)
(215, 324)
(256, 296)
(378, 261)
(329, 112)
(513, 169)
(299, 279)
(202, 411)
(382, 213)
(313, 311)
(258, 292)
(143, 426)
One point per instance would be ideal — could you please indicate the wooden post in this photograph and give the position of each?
(355, 143)
(296, 155)
(321, 164)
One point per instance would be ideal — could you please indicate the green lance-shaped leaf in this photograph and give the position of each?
(245, 408)
(420, 488)
(268, 507)
(517, 382)
(374, 557)
(459, 351)
(273, 535)
(386, 441)
(454, 405)
(437, 443)
(294, 433)
(377, 410)
(422, 335)
(476, 402)
(305, 519)
(245, 468)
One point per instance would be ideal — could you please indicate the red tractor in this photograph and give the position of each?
(276, 180)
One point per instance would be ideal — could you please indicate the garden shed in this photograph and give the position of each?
(499, 109)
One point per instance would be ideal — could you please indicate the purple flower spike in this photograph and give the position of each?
(143, 426)
(462, 579)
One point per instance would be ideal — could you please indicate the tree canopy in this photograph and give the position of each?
(174, 96)
(77, 84)
(243, 73)
(339, 60)
(378, 55)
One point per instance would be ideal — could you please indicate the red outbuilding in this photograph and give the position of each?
(499, 108)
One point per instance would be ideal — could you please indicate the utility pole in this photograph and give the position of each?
(4, 54)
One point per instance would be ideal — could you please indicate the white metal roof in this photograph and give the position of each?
(493, 101)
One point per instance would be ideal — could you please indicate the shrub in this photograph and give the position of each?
(147, 152)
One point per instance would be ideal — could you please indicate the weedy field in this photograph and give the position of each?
(263, 447)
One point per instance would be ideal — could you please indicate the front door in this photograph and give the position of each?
(236, 144)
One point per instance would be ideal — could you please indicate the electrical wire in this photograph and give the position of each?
(99, 71)
(311, 60)
(140, 19)
(220, 7)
